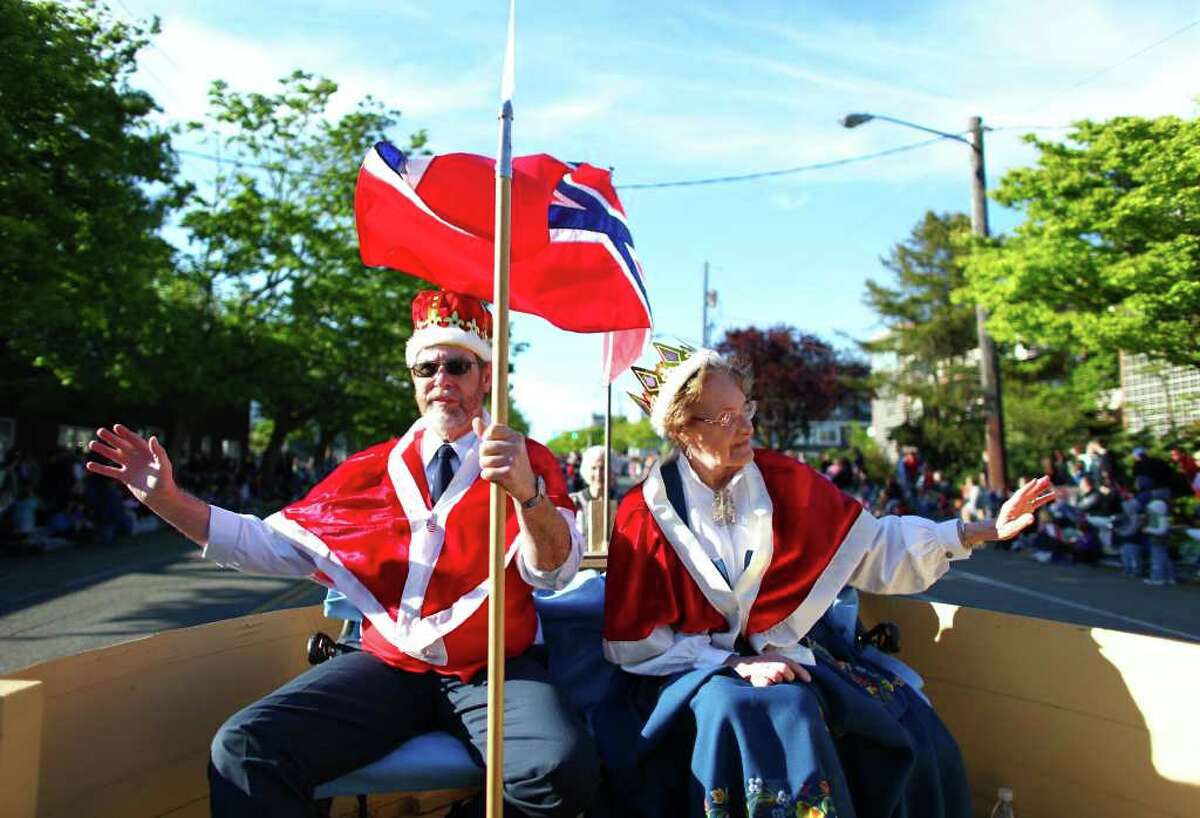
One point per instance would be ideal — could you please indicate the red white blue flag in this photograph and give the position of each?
(572, 256)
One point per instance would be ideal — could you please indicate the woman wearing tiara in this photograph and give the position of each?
(722, 564)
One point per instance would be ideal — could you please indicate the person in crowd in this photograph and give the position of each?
(1089, 459)
(719, 568)
(1050, 542)
(1057, 470)
(1153, 474)
(1076, 471)
(575, 481)
(1086, 548)
(891, 501)
(23, 514)
(972, 496)
(1186, 464)
(104, 508)
(1106, 464)
(400, 528)
(1196, 482)
(910, 474)
(589, 501)
(1157, 525)
(1089, 501)
(1127, 531)
(1110, 491)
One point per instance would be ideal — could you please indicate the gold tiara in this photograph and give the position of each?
(653, 379)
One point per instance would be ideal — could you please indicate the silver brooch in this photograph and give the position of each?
(723, 509)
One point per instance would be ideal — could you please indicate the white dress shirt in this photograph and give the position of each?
(907, 555)
(246, 543)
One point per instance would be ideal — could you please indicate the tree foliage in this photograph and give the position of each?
(1108, 256)
(626, 434)
(1051, 395)
(86, 183)
(320, 337)
(927, 343)
(798, 378)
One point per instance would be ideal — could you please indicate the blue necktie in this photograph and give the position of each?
(444, 471)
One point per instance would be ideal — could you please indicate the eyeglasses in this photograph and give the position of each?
(453, 366)
(730, 417)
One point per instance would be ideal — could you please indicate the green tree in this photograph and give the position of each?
(1052, 401)
(87, 181)
(1050, 394)
(273, 245)
(927, 340)
(626, 434)
(1108, 256)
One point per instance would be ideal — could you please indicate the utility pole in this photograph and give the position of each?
(989, 369)
(704, 312)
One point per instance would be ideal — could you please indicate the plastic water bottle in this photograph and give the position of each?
(1003, 808)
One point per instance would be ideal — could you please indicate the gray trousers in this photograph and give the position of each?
(268, 758)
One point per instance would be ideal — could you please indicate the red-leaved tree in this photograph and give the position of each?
(798, 378)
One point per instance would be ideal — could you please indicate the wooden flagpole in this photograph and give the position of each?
(607, 461)
(499, 498)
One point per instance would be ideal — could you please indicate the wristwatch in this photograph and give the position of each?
(533, 501)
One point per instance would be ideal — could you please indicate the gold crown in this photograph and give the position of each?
(653, 379)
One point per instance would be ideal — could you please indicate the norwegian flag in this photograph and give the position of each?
(572, 257)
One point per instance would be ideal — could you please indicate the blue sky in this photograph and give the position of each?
(685, 90)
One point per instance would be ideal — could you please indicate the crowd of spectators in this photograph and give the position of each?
(1103, 511)
(54, 501)
(1100, 512)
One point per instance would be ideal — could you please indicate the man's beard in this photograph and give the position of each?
(447, 420)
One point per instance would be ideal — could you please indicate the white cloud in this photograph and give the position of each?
(188, 56)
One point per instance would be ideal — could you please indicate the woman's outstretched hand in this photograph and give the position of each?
(1017, 512)
(768, 669)
(141, 465)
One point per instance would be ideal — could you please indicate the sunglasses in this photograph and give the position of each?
(453, 366)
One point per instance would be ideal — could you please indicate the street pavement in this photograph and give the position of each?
(83, 597)
(78, 598)
(1097, 596)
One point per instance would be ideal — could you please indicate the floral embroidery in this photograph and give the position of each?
(813, 801)
(715, 804)
(874, 683)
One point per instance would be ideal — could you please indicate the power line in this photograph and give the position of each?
(1028, 127)
(241, 163)
(745, 177)
(1115, 65)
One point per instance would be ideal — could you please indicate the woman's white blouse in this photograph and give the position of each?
(908, 555)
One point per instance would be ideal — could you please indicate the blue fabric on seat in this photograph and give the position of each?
(432, 761)
(338, 607)
(571, 623)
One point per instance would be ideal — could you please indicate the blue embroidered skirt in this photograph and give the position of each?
(857, 742)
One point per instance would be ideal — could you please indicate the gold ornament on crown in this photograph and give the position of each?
(653, 379)
(434, 318)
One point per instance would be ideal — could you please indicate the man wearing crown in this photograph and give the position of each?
(402, 530)
(742, 696)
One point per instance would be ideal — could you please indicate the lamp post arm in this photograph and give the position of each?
(908, 124)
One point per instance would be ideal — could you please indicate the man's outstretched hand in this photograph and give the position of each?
(141, 465)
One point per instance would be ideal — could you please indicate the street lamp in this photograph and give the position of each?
(989, 371)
